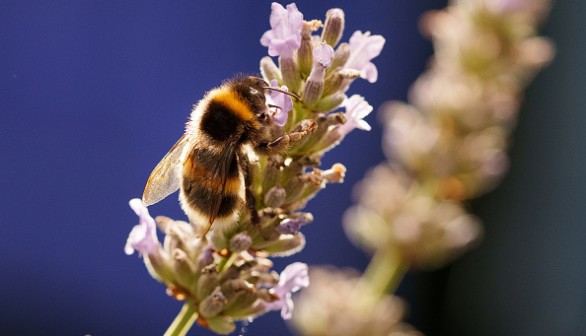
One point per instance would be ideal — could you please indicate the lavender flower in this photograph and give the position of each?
(226, 276)
(322, 59)
(285, 34)
(363, 48)
(293, 278)
(282, 103)
(323, 55)
(356, 110)
(292, 225)
(143, 237)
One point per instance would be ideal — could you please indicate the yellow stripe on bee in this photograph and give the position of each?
(228, 97)
(232, 186)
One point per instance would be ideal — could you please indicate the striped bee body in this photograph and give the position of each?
(210, 164)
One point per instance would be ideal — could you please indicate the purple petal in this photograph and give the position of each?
(363, 48)
(292, 226)
(356, 109)
(323, 54)
(282, 101)
(293, 278)
(143, 237)
(285, 34)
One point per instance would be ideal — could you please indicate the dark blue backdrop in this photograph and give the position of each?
(92, 94)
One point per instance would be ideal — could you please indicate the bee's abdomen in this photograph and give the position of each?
(212, 185)
(210, 203)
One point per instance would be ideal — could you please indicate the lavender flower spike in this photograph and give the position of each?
(356, 110)
(363, 48)
(281, 101)
(293, 278)
(143, 237)
(285, 34)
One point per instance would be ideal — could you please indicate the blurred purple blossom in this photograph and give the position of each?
(293, 278)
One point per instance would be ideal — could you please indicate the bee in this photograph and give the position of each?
(210, 163)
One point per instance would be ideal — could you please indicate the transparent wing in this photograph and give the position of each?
(166, 177)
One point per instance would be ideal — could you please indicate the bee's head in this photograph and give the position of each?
(252, 90)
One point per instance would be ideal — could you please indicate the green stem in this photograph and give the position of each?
(383, 275)
(227, 262)
(183, 321)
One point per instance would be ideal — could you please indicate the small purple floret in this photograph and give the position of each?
(293, 278)
(291, 226)
(282, 101)
(143, 237)
(356, 110)
(285, 34)
(363, 48)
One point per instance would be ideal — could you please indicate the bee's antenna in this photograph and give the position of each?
(283, 91)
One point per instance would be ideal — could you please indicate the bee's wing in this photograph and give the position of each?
(166, 177)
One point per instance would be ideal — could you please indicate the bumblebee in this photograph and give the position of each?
(210, 163)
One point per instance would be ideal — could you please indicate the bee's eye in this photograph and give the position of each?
(262, 83)
(253, 91)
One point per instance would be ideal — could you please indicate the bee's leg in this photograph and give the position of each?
(250, 201)
(281, 143)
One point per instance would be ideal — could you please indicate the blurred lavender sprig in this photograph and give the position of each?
(445, 147)
(227, 275)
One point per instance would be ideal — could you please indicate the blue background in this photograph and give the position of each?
(94, 93)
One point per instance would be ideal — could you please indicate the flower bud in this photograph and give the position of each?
(184, 271)
(329, 103)
(213, 304)
(269, 70)
(291, 169)
(313, 89)
(206, 258)
(292, 225)
(159, 266)
(315, 83)
(287, 245)
(333, 83)
(334, 26)
(240, 242)
(275, 197)
(313, 182)
(293, 189)
(266, 295)
(219, 324)
(232, 272)
(240, 295)
(335, 174)
(341, 56)
(272, 171)
(305, 51)
(207, 282)
(290, 72)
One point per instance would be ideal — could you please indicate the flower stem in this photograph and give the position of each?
(383, 275)
(183, 321)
